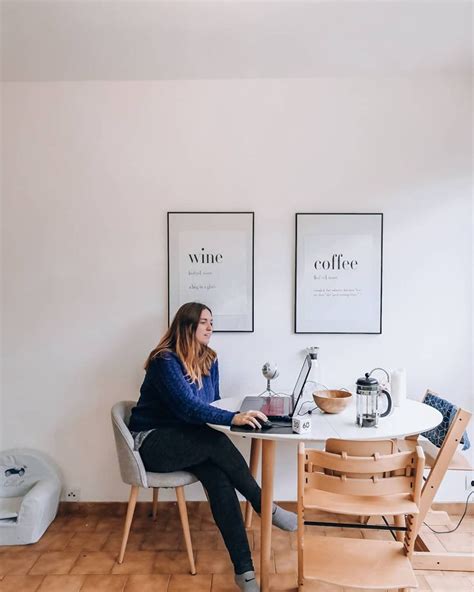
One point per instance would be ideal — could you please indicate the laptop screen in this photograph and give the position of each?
(276, 405)
(300, 382)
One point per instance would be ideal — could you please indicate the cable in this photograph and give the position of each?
(309, 411)
(457, 525)
(391, 531)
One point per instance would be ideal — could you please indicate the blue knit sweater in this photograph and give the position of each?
(168, 398)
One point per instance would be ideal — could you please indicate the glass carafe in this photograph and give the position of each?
(368, 395)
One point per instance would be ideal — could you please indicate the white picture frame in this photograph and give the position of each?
(211, 260)
(338, 273)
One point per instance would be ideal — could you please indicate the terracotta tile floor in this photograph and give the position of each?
(78, 554)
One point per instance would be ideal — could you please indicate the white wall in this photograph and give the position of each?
(90, 170)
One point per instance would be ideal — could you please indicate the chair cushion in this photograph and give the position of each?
(438, 434)
(175, 479)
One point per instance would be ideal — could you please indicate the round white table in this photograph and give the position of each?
(410, 419)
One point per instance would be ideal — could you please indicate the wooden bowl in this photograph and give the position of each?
(332, 401)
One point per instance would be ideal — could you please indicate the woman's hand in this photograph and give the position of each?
(249, 418)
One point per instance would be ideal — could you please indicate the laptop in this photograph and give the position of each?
(279, 409)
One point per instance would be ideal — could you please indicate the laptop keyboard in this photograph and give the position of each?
(281, 418)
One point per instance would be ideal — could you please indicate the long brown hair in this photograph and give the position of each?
(180, 338)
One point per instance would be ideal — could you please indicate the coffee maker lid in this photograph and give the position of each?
(367, 380)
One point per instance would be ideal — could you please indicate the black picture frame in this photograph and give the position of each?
(226, 298)
(349, 300)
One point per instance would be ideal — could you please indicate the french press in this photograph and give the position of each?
(369, 392)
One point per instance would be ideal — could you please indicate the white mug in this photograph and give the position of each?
(398, 381)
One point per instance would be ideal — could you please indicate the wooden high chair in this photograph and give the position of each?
(439, 460)
(375, 485)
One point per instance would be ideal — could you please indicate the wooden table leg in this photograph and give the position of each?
(268, 462)
(255, 451)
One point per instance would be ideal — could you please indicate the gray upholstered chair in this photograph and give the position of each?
(133, 472)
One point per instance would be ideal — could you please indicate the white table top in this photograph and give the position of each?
(409, 419)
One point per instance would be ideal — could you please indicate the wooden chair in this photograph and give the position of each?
(448, 457)
(133, 472)
(439, 460)
(375, 485)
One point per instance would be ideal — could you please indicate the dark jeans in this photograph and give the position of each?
(216, 462)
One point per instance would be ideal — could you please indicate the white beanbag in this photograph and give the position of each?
(30, 486)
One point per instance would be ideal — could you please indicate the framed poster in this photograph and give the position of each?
(210, 260)
(338, 273)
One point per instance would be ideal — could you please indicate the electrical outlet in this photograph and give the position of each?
(469, 483)
(73, 494)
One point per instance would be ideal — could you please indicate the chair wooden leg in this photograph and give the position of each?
(132, 502)
(183, 514)
(255, 451)
(154, 511)
(399, 521)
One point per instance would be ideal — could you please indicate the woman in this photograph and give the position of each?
(170, 431)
